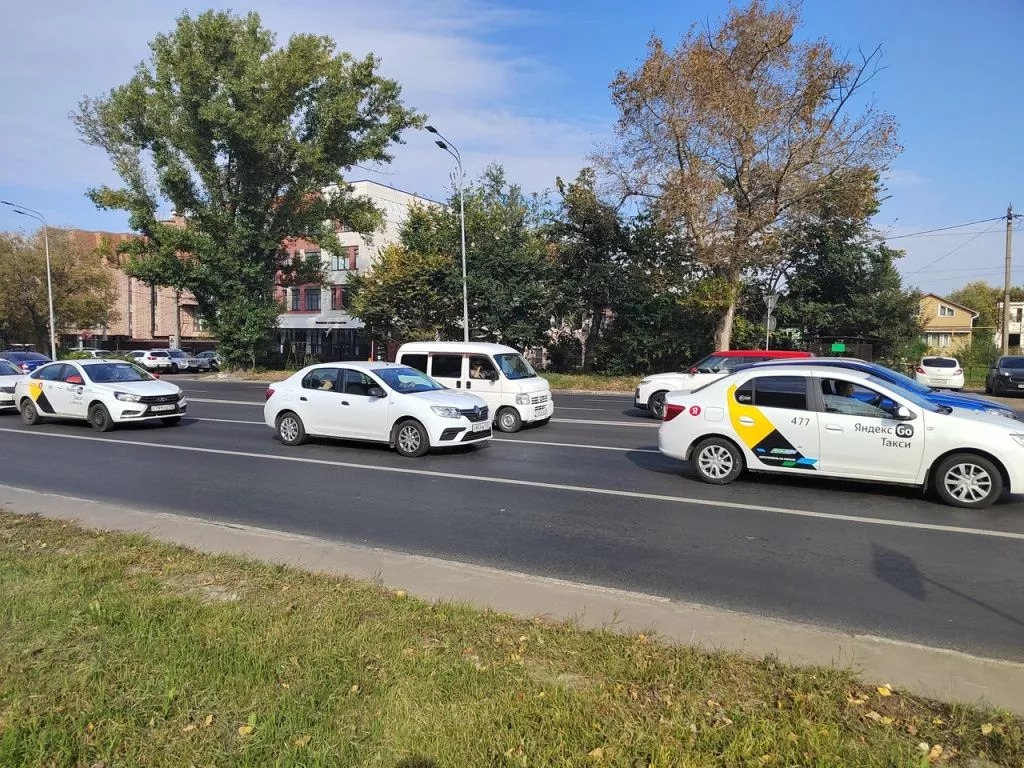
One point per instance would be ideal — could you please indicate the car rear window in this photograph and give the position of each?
(940, 362)
(1012, 362)
(158, 354)
(9, 369)
(27, 356)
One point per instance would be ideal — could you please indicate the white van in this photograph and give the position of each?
(500, 375)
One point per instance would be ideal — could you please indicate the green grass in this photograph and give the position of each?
(118, 651)
(592, 381)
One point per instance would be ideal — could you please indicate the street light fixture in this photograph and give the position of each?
(49, 280)
(452, 150)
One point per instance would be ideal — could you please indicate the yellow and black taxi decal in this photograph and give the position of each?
(763, 438)
(35, 391)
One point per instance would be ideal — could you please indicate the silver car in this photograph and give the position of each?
(183, 361)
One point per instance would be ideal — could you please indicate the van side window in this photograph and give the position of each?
(480, 368)
(446, 366)
(419, 362)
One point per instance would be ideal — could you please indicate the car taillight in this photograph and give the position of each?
(269, 393)
(958, 371)
(920, 369)
(672, 410)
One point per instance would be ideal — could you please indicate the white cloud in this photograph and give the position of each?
(903, 177)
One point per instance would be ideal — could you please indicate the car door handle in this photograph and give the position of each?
(469, 385)
(833, 428)
(458, 385)
(344, 402)
(746, 421)
(303, 399)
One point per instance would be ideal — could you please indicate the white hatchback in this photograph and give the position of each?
(808, 420)
(10, 375)
(103, 392)
(940, 373)
(377, 402)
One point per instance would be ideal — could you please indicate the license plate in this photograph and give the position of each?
(483, 426)
(1020, 386)
(162, 408)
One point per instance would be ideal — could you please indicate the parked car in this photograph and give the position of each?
(1005, 376)
(103, 392)
(151, 359)
(26, 361)
(650, 393)
(825, 421)
(92, 352)
(10, 375)
(378, 402)
(212, 357)
(897, 379)
(940, 372)
(513, 391)
(183, 361)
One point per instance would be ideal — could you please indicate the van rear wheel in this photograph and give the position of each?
(509, 420)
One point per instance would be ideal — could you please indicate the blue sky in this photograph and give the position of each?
(526, 84)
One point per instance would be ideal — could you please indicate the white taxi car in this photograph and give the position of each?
(819, 420)
(10, 375)
(379, 402)
(103, 392)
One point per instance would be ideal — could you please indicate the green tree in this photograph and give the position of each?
(587, 240)
(241, 138)
(83, 286)
(733, 132)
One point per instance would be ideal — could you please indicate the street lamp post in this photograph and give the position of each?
(452, 150)
(770, 300)
(49, 280)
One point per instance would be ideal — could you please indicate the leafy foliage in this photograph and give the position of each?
(240, 137)
(83, 286)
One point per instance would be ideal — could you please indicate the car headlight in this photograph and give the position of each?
(127, 397)
(523, 398)
(1001, 412)
(1019, 439)
(446, 411)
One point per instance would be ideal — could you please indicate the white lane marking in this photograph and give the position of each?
(493, 439)
(560, 421)
(571, 408)
(682, 500)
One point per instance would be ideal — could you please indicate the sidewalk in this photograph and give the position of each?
(938, 673)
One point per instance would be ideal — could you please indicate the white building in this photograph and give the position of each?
(316, 320)
(1016, 314)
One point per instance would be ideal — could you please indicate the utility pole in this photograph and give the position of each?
(1006, 281)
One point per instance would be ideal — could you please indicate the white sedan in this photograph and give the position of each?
(378, 402)
(103, 392)
(10, 375)
(824, 421)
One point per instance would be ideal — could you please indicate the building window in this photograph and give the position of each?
(338, 298)
(312, 299)
(938, 340)
(339, 262)
(945, 311)
(312, 259)
(296, 298)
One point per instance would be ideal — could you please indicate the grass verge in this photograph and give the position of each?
(119, 651)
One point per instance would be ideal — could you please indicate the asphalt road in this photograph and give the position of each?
(586, 498)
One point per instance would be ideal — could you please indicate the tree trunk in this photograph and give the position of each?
(723, 328)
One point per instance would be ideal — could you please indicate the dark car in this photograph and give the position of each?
(26, 361)
(1006, 376)
(897, 379)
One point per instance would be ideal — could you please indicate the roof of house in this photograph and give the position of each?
(944, 300)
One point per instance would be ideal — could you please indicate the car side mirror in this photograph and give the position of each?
(74, 380)
(155, 375)
(376, 392)
(903, 413)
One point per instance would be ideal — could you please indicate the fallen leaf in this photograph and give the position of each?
(302, 741)
(399, 593)
(935, 753)
(152, 722)
(286, 685)
(354, 689)
(209, 720)
(923, 747)
(912, 730)
(89, 728)
(884, 690)
(244, 730)
(189, 728)
(872, 715)
(986, 729)
(597, 753)
(793, 738)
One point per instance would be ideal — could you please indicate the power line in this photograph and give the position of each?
(943, 229)
(964, 244)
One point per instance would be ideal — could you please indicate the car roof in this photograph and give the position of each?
(363, 365)
(809, 368)
(766, 353)
(484, 347)
(93, 361)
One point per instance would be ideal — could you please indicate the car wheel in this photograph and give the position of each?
(717, 461)
(100, 419)
(290, 430)
(968, 480)
(29, 414)
(988, 388)
(171, 421)
(509, 420)
(656, 404)
(411, 439)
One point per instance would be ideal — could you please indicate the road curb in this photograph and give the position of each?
(934, 672)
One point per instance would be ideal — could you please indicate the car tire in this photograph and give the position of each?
(171, 421)
(29, 412)
(967, 480)
(99, 418)
(988, 388)
(508, 420)
(290, 430)
(411, 439)
(717, 461)
(174, 367)
(656, 404)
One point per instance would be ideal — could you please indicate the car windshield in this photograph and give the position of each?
(1012, 362)
(9, 369)
(900, 379)
(514, 366)
(107, 373)
(407, 381)
(717, 364)
(940, 362)
(912, 396)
